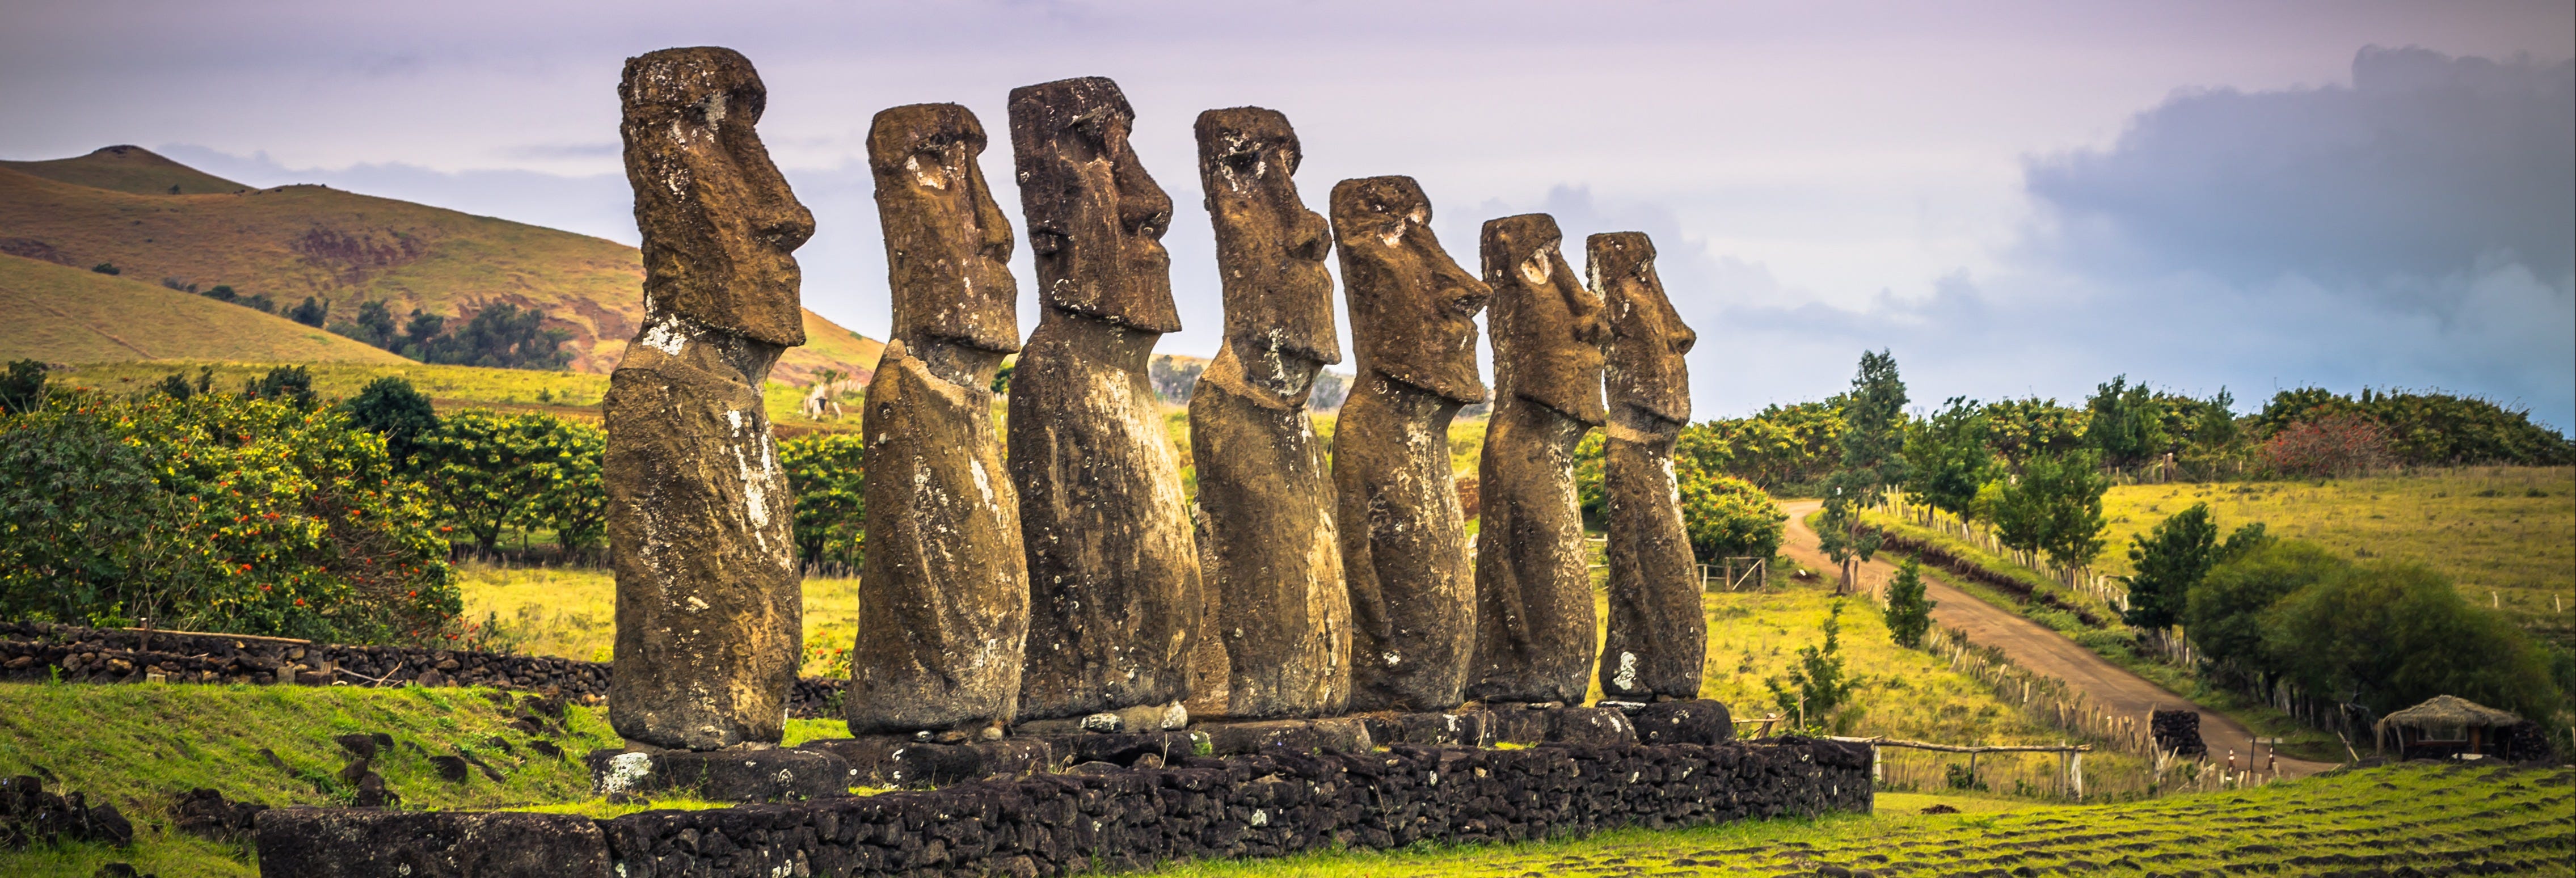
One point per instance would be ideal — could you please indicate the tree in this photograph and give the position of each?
(2069, 492)
(2387, 635)
(2327, 447)
(1872, 459)
(313, 312)
(2021, 429)
(826, 471)
(1946, 457)
(2169, 560)
(215, 513)
(573, 501)
(2223, 613)
(1174, 378)
(1909, 614)
(289, 384)
(1816, 686)
(498, 337)
(2125, 423)
(1727, 517)
(23, 389)
(108, 268)
(374, 325)
(490, 471)
(176, 384)
(389, 407)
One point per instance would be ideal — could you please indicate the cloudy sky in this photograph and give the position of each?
(2016, 198)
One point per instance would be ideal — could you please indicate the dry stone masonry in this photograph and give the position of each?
(708, 603)
(1404, 537)
(1534, 622)
(1114, 595)
(1278, 635)
(945, 588)
(1658, 640)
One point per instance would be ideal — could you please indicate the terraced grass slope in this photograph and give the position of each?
(291, 242)
(61, 314)
(2506, 535)
(2418, 819)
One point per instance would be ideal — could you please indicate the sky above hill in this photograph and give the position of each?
(2014, 198)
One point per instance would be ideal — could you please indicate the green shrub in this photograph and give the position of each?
(490, 471)
(2223, 614)
(1727, 517)
(214, 513)
(2389, 635)
(826, 472)
(1909, 615)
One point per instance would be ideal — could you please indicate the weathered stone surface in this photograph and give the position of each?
(1658, 639)
(1124, 748)
(1278, 611)
(900, 761)
(1596, 726)
(764, 775)
(366, 843)
(1404, 546)
(945, 585)
(708, 604)
(1534, 616)
(1692, 721)
(1114, 596)
(1338, 735)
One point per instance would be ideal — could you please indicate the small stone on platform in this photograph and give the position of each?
(1697, 721)
(1343, 735)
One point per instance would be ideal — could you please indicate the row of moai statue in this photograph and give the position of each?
(1070, 577)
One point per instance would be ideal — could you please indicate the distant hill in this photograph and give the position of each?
(61, 314)
(115, 206)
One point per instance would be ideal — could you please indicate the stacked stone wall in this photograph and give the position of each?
(1199, 808)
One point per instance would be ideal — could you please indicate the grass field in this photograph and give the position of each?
(62, 314)
(291, 242)
(2506, 535)
(573, 395)
(2376, 821)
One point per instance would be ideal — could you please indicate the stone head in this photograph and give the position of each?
(1270, 249)
(948, 247)
(1095, 218)
(1547, 326)
(1413, 310)
(718, 221)
(1646, 370)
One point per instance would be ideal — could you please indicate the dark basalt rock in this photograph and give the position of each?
(1114, 595)
(708, 601)
(1277, 640)
(901, 761)
(1594, 726)
(1692, 721)
(1124, 748)
(767, 775)
(206, 813)
(945, 569)
(1534, 616)
(1344, 735)
(1658, 639)
(451, 769)
(365, 843)
(1403, 535)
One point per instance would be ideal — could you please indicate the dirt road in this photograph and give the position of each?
(2032, 645)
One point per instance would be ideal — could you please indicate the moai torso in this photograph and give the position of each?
(944, 595)
(1658, 637)
(1114, 600)
(1278, 634)
(708, 604)
(1534, 618)
(1404, 547)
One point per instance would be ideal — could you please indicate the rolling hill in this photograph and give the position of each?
(116, 206)
(61, 314)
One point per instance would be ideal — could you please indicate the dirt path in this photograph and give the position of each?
(2034, 646)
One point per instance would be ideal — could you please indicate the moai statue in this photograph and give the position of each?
(1658, 638)
(1114, 602)
(944, 598)
(708, 601)
(1404, 537)
(1534, 620)
(1279, 613)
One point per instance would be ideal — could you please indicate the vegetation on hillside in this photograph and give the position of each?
(61, 314)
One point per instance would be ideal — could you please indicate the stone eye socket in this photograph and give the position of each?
(1243, 161)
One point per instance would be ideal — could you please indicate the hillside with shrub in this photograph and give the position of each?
(365, 264)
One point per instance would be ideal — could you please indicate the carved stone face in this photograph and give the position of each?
(1269, 247)
(1547, 326)
(1646, 369)
(948, 248)
(1096, 219)
(718, 221)
(1413, 310)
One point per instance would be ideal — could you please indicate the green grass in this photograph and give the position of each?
(2519, 821)
(139, 746)
(571, 611)
(292, 242)
(2505, 535)
(574, 395)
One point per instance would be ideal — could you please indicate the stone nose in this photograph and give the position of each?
(787, 225)
(1309, 237)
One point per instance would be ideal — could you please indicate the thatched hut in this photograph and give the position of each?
(2446, 726)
